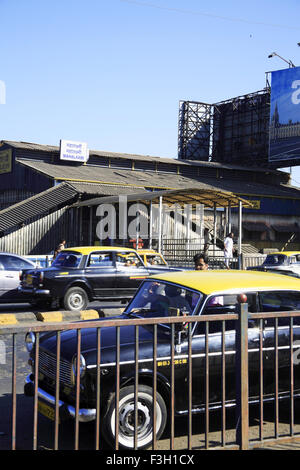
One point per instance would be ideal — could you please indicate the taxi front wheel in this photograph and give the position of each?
(127, 417)
(75, 299)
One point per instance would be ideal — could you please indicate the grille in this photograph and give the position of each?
(47, 366)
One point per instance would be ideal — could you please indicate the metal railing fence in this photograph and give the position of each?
(215, 262)
(199, 434)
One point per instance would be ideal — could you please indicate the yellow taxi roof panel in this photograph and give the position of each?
(208, 282)
(86, 250)
(287, 253)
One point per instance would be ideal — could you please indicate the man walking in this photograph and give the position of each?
(228, 249)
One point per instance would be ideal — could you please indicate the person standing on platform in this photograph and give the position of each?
(228, 249)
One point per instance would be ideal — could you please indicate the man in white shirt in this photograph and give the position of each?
(228, 248)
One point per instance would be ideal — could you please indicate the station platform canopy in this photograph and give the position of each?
(208, 196)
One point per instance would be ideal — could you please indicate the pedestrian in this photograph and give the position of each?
(228, 249)
(201, 262)
(59, 248)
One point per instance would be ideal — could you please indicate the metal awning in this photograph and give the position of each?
(209, 197)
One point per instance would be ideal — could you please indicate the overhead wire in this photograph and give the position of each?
(210, 15)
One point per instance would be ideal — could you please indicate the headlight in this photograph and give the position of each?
(82, 366)
(30, 341)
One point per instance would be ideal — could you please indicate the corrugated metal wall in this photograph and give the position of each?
(43, 235)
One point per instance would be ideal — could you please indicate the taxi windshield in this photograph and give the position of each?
(275, 260)
(161, 299)
(67, 259)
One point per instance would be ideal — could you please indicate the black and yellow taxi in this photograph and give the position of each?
(177, 360)
(152, 258)
(79, 275)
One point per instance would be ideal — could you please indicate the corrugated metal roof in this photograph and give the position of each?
(94, 174)
(141, 179)
(36, 206)
(101, 189)
(31, 146)
(62, 194)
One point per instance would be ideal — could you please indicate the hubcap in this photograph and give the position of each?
(76, 301)
(126, 417)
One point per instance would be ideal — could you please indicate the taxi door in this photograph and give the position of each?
(277, 340)
(214, 353)
(100, 273)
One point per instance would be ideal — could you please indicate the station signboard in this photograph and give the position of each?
(74, 151)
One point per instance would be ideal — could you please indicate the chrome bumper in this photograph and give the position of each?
(33, 291)
(84, 414)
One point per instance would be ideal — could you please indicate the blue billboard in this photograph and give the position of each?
(284, 130)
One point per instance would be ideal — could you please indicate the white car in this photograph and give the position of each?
(10, 267)
(281, 262)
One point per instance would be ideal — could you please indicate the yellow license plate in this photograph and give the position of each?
(46, 410)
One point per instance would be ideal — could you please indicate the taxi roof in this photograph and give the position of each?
(86, 250)
(212, 281)
(287, 253)
(148, 252)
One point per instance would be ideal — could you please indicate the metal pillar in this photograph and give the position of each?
(215, 227)
(240, 235)
(150, 226)
(90, 226)
(242, 384)
(160, 224)
(229, 218)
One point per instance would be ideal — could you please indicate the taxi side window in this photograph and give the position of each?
(279, 301)
(154, 260)
(283, 301)
(127, 260)
(226, 304)
(98, 260)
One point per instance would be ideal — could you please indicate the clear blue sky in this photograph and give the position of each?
(112, 72)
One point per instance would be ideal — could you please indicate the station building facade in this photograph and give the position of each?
(39, 193)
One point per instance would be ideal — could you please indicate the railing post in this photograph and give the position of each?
(242, 382)
(241, 261)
